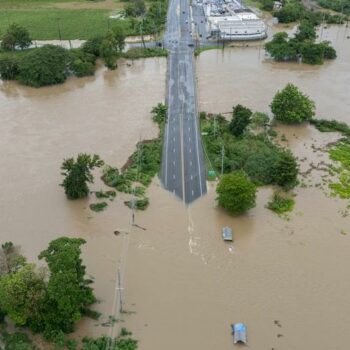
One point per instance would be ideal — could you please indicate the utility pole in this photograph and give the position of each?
(222, 160)
(120, 292)
(141, 33)
(215, 126)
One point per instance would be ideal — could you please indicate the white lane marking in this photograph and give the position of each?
(191, 177)
(174, 176)
(174, 150)
(174, 162)
(192, 193)
(191, 162)
(190, 150)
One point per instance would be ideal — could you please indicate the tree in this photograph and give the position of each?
(236, 192)
(15, 36)
(22, 294)
(119, 36)
(260, 120)
(241, 118)
(68, 292)
(78, 173)
(291, 106)
(312, 53)
(46, 65)
(136, 8)
(306, 31)
(286, 171)
(10, 259)
(282, 49)
(92, 46)
(328, 51)
(109, 50)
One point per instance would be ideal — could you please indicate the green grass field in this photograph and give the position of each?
(46, 24)
(45, 21)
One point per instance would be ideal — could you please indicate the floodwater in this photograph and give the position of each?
(286, 278)
(245, 75)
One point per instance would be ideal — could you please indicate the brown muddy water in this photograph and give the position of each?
(286, 278)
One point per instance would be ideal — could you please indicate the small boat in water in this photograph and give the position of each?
(239, 332)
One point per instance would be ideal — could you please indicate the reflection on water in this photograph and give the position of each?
(184, 285)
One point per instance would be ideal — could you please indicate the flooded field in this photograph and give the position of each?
(287, 279)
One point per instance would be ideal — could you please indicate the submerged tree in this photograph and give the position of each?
(291, 106)
(10, 259)
(241, 118)
(78, 173)
(236, 192)
(68, 291)
(109, 50)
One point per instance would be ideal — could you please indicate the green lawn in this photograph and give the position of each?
(44, 24)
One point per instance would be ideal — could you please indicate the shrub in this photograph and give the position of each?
(291, 106)
(140, 52)
(312, 53)
(260, 120)
(280, 204)
(97, 207)
(236, 193)
(46, 65)
(8, 66)
(328, 51)
(81, 63)
(325, 125)
(286, 171)
(92, 46)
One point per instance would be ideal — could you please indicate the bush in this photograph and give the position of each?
(281, 204)
(236, 193)
(282, 49)
(92, 46)
(290, 12)
(291, 106)
(97, 207)
(241, 118)
(81, 63)
(328, 51)
(286, 171)
(260, 120)
(8, 66)
(312, 53)
(46, 65)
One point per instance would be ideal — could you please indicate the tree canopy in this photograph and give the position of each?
(15, 36)
(68, 293)
(291, 106)
(236, 193)
(78, 174)
(241, 117)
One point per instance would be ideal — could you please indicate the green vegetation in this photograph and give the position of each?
(49, 64)
(97, 207)
(281, 204)
(263, 161)
(106, 194)
(241, 118)
(15, 36)
(51, 23)
(302, 45)
(341, 153)
(325, 125)
(291, 106)
(141, 166)
(336, 5)
(140, 52)
(50, 306)
(78, 174)
(236, 193)
(294, 10)
(139, 204)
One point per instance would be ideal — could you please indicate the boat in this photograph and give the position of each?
(227, 234)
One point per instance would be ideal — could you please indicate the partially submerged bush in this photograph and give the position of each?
(280, 203)
(97, 207)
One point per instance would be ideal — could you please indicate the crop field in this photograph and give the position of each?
(60, 19)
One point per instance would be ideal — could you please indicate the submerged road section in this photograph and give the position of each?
(183, 170)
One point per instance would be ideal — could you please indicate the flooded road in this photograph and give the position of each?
(287, 279)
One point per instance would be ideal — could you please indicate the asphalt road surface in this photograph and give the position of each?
(183, 169)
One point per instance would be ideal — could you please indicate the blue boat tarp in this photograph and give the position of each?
(227, 234)
(239, 331)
